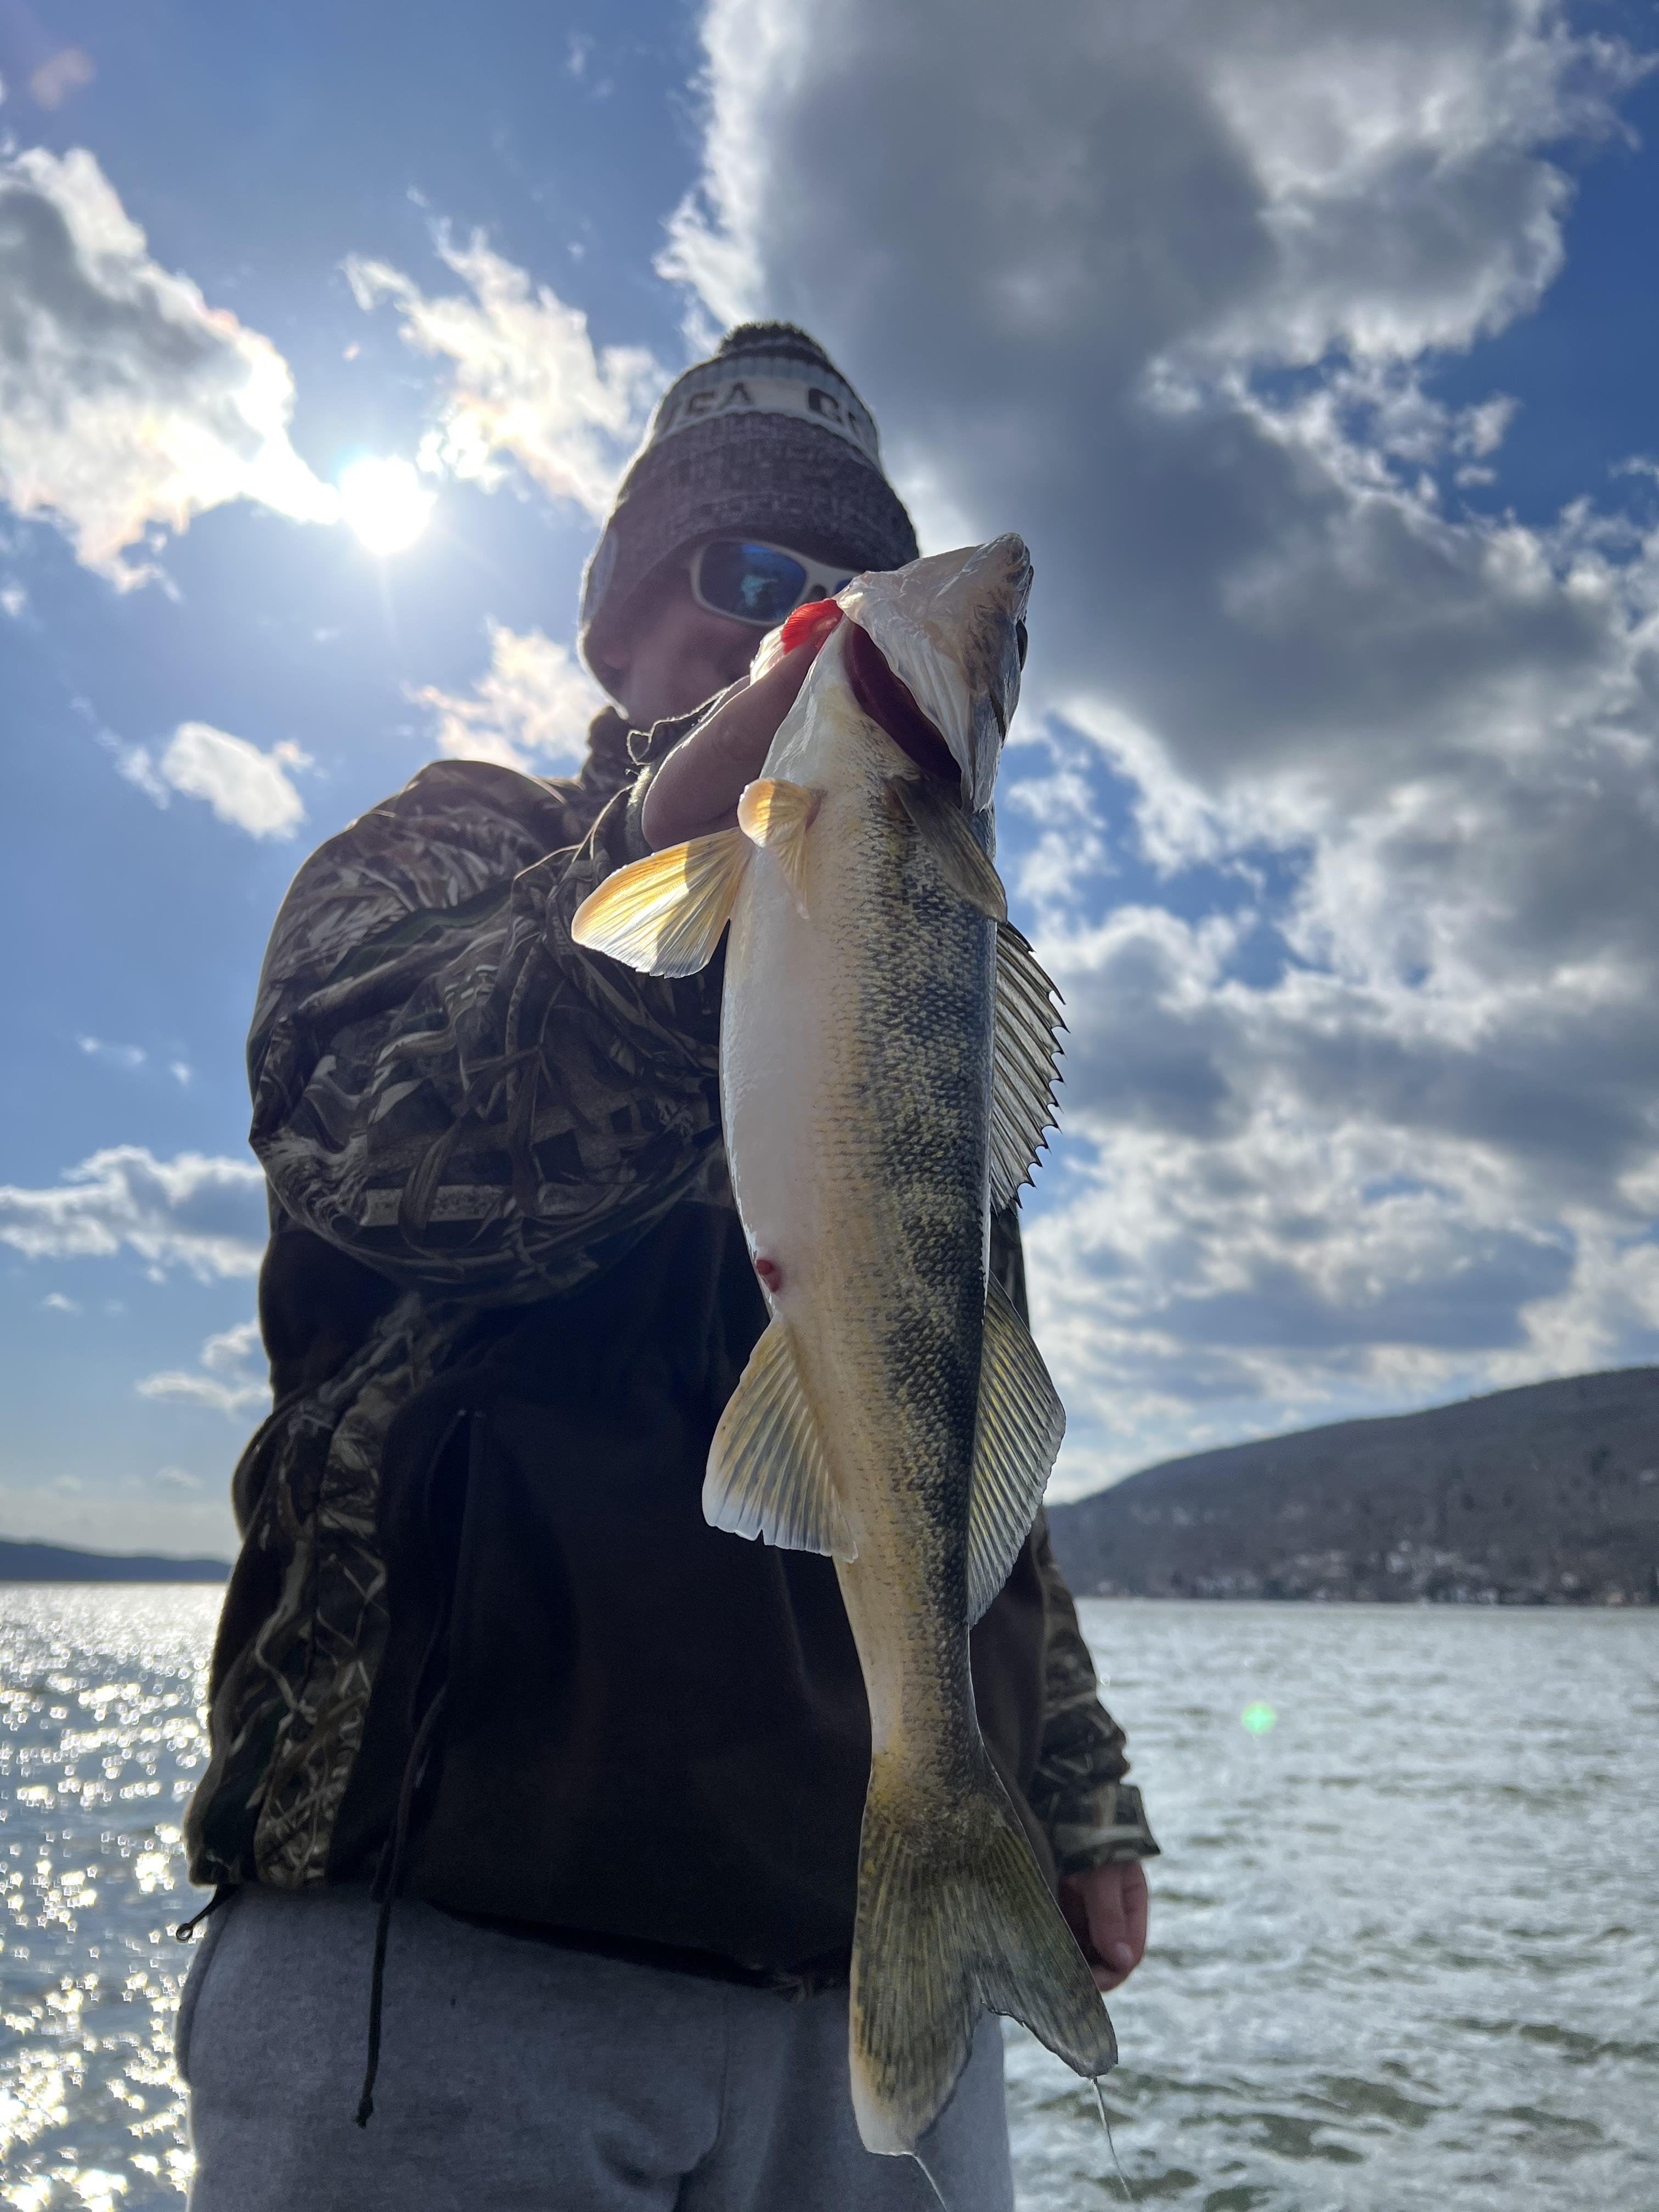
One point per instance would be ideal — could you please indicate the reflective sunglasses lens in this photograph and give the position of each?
(756, 583)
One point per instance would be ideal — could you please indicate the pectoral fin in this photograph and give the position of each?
(664, 914)
(938, 819)
(1021, 1422)
(1026, 1065)
(777, 814)
(768, 1474)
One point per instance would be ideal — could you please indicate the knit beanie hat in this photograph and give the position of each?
(767, 438)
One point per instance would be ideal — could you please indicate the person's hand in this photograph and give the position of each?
(1106, 1910)
(696, 789)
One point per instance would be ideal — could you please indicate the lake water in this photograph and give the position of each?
(1405, 1932)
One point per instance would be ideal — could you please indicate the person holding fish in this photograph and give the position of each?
(643, 1148)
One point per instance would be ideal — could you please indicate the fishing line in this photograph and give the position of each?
(1100, 2100)
(932, 2183)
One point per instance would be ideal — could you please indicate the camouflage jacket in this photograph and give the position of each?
(447, 1090)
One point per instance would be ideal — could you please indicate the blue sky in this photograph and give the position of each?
(1312, 350)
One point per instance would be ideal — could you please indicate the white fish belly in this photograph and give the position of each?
(787, 1044)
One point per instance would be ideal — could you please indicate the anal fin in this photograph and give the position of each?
(1021, 1423)
(768, 1472)
(665, 914)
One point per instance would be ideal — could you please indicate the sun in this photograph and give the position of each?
(385, 503)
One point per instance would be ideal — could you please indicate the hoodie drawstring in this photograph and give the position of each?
(222, 1895)
(393, 1866)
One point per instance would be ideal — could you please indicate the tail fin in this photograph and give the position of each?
(954, 1919)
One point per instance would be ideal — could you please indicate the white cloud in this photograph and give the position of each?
(127, 404)
(1344, 842)
(195, 1211)
(117, 1055)
(530, 710)
(245, 787)
(55, 1302)
(525, 380)
(223, 1396)
(230, 1347)
(136, 764)
(67, 70)
(225, 1382)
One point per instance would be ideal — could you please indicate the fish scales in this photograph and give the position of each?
(879, 1107)
(895, 1413)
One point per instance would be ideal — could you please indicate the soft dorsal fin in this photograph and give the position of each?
(1021, 1422)
(1026, 1065)
(665, 914)
(768, 1472)
(938, 819)
(777, 814)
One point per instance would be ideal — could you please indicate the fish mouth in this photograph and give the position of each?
(892, 708)
(949, 631)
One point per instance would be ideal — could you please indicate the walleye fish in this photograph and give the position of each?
(887, 1061)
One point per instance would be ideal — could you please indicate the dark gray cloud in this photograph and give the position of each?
(1161, 286)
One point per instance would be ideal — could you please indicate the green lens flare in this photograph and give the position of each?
(1258, 1719)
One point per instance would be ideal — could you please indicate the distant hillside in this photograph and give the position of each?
(1545, 1496)
(62, 1563)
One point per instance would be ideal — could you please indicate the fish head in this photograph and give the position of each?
(951, 629)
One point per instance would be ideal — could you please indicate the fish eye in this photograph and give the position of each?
(1020, 642)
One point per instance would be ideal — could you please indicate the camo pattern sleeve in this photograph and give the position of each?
(1091, 1814)
(445, 1084)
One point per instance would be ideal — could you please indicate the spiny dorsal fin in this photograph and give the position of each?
(939, 822)
(1021, 1422)
(767, 1475)
(1026, 1065)
(778, 815)
(665, 914)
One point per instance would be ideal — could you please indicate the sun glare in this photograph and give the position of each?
(385, 503)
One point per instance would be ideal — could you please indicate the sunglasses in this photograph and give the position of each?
(754, 582)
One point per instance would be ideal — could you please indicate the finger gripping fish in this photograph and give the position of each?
(887, 1063)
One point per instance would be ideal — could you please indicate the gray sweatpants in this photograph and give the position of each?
(519, 2077)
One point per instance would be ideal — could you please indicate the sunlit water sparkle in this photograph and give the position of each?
(1405, 1939)
(100, 1691)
